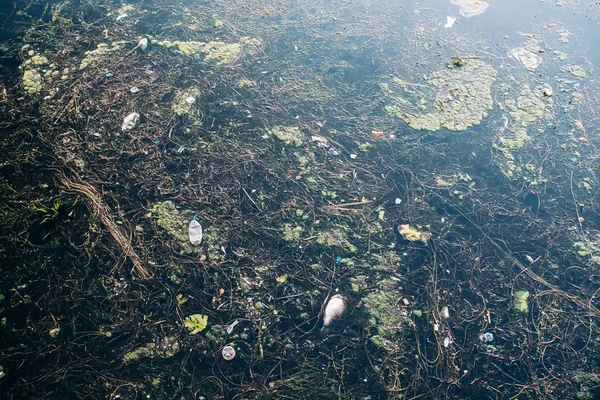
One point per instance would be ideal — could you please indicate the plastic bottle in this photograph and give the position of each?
(486, 337)
(195, 232)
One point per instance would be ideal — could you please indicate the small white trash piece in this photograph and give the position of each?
(335, 308)
(445, 313)
(449, 22)
(143, 44)
(130, 121)
(195, 232)
(228, 353)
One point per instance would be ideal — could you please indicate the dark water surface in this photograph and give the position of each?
(443, 180)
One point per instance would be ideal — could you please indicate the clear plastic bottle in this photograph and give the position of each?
(195, 232)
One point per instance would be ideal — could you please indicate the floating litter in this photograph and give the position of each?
(449, 22)
(130, 121)
(232, 326)
(228, 353)
(143, 44)
(134, 90)
(470, 8)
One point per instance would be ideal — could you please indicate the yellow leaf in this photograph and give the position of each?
(195, 323)
(180, 299)
(282, 278)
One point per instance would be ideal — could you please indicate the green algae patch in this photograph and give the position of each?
(32, 81)
(455, 98)
(167, 348)
(216, 238)
(411, 234)
(291, 233)
(93, 57)
(221, 53)
(335, 238)
(218, 53)
(591, 249)
(529, 107)
(36, 59)
(520, 301)
(184, 48)
(387, 314)
(575, 70)
(184, 101)
(246, 83)
(172, 221)
(287, 134)
(196, 323)
(443, 184)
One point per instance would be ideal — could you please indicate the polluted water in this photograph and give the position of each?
(392, 199)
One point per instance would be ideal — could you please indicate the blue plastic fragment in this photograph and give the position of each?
(193, 217)
(156, 141)
(338, 259)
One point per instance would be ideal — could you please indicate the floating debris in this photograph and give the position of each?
(528, 54)
(321, 141)
(445, 313)
(470, 8)
(334, 310)
(449, 22)
(411, 234)
(228, 353)
(130, 121)
(486, 337)
(232, 326)
(142, 44)
(195, 232)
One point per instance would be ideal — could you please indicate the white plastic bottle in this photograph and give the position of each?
(195, 232)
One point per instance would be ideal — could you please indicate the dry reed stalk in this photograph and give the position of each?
(104, 214)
